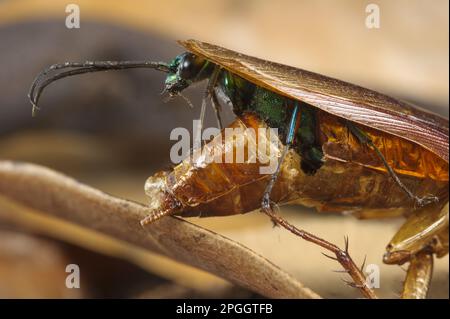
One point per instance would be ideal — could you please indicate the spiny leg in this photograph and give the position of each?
(364, 139)
(342, 256)
(418, 276)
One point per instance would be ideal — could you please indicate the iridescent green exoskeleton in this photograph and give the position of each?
(245, 96)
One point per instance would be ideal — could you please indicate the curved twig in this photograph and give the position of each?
(63, 197)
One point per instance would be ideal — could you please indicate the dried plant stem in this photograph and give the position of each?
(60, 196)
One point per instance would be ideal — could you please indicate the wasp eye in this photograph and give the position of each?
(190, 66)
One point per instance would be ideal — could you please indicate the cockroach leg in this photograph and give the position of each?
(418, 232)
(351, 284)
(423, 234)
(364, 139)
(342, 256)
(418, 276)
(340, 271)
(363, 263)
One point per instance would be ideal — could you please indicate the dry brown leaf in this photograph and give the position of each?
(60, 196)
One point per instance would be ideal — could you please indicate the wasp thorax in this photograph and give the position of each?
(191, 66)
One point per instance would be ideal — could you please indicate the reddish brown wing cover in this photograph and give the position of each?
(336, 97)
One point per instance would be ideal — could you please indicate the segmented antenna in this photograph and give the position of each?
(47, 76)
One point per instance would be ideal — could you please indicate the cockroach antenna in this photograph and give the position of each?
(45, 78)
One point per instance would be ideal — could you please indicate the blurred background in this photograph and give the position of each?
(111, 130)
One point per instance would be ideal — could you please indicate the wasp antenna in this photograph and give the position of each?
(38, 87)
(44, 78)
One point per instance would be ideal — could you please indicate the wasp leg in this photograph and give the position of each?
(208, 94)
(419, 275)
(342, 256)
(364, 139)
(289, 140)
(217, 108)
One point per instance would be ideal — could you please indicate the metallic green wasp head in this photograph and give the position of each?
(186, 69)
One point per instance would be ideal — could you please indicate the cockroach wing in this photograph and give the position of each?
(336, 97)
